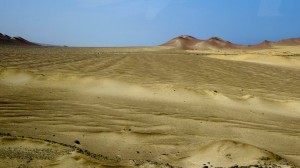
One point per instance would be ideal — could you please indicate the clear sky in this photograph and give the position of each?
(148, 22)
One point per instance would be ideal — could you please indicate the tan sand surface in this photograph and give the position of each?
(149, 107)
(288, 56)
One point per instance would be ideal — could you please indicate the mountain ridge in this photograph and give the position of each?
(8, 40)
(187, 42)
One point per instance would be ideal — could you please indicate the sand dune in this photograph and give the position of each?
(28, 152)
(147, 107)
(287, 56)
(229, 153)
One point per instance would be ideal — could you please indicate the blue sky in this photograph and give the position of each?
(148, 22)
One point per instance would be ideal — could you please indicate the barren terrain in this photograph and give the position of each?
(149, 107)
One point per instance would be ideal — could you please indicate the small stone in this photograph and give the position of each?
(77, 142)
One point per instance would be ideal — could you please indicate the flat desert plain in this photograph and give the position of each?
(149, 107)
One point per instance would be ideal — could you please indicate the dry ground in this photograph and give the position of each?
(149, 107)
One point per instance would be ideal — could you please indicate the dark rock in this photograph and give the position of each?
(77, 142)
(235, 166)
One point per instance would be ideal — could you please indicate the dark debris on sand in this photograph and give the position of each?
(50, 154)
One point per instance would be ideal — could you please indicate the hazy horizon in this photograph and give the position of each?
(148, 22)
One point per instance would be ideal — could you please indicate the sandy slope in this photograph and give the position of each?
(149, 107)
(288, 56)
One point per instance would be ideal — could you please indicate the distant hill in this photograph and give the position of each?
(215, 42)
(183, 42)
(289, 42)
(186, 42)
(7, 40)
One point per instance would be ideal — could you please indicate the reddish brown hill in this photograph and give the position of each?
(7, 40)
(192, 43)
(288, 42)
(263, 45)
(216, 42)
(183, 42)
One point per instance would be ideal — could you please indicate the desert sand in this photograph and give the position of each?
(149, 107)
